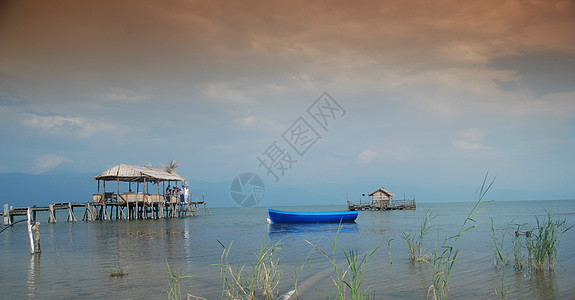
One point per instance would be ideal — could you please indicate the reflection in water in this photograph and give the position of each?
(290, 230)
(33, 274)
(545, 285)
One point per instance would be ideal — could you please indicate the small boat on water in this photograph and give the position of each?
(280, 216)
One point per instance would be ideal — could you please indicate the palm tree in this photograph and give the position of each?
(172, 165)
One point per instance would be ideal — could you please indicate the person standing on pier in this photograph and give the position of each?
(186, 193)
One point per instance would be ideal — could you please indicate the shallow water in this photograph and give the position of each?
(76, 258)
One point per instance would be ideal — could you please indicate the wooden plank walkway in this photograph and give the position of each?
(402, 204)
(111, 210)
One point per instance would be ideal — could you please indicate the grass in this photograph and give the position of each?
(389, 250)
(348, 282)
(175, 292)
(116, 271)
(445, 257)
(499, 255)
(261, 282)
(518, 246)
(543, 244)
(415, 240)
(503, 290)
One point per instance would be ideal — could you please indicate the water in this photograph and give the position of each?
(76, 258)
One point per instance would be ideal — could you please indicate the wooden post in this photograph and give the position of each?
(161, 209)
(144, 213)
(30, 235)
(6, 215)
(104, 211)
(94, 213)
(88, 213)
(71, 217)
(36, 229)
(11, 215)
(52, 217)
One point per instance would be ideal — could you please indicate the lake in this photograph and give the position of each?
(77, 258)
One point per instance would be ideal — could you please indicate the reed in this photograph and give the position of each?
(444, 259)
(117, 270)
(415, 240)
(351, 279)
(503, 290)
(261, 282)
(518, 246)
(499, 254)
(175, 291)
(543, 244)
(266, 270)
(389, 250)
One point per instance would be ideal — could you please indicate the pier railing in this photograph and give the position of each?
(393, 205)
(110, 206)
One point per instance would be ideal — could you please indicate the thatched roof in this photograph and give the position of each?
(382, 190)
(123, 172)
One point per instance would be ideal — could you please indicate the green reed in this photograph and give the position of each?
(175, 291)
(518, 246)
(444, 257)
(415, 240)
(503, 290)
(117, 270)
(261, 282)
(543, 244)
(351, 279)
(499, 254)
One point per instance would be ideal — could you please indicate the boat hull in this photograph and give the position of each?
(280, 216)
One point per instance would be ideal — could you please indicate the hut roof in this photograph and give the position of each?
(382, 190)
(123, 172)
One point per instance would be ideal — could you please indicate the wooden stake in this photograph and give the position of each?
(36, 229)
(71, 217)
(30, 235)
(6, 215)
(52, 218)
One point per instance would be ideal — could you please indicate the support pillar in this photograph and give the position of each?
(52, 217)
(6, 215)
(34, 237)
(71, 217)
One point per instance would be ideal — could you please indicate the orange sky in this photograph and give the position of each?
(485, 79)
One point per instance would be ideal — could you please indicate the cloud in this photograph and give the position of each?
(75, 125)
(470, 139)
(48, 162)
(224, 92)
(249, 120)
(125, 95)
(366, 156)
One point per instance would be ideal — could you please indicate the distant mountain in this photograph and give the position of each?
(22, 190)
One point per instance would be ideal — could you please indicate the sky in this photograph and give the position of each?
(425, 96)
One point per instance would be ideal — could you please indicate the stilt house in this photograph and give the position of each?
(139, 175)
(381, 199)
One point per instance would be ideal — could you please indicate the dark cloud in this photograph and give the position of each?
(543, 73)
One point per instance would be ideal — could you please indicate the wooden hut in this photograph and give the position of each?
(381, 199)
(142, 199)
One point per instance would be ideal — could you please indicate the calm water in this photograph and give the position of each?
(76, 258)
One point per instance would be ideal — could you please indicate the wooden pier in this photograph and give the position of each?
(144, 203)
(382, 199)
(393, 205)
(111, 210)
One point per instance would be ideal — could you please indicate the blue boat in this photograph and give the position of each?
(280, 216)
